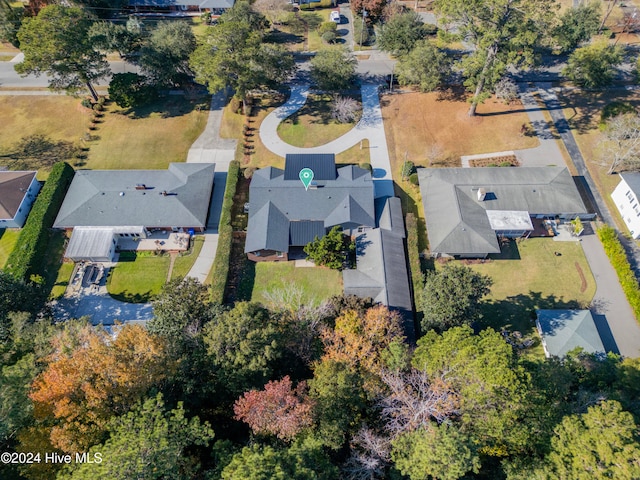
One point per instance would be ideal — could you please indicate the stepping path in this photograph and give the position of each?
(370, 127)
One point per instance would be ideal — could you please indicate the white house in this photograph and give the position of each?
(18, 191)
(626, 196)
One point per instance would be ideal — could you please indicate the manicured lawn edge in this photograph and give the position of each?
(28, 257)
(225, 237)
(618, 258)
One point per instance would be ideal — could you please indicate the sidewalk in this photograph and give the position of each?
(370, 127)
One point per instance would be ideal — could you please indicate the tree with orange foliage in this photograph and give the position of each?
(278, 410)
(374, 8)
(92, 376)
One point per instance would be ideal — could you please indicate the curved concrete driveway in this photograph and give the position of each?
(370, 127)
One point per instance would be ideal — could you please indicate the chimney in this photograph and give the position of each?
(481, 194)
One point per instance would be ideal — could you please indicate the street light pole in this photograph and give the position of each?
(364, 14)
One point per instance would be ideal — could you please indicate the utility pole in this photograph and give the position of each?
(364, 14)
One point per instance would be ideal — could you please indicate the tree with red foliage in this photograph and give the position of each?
(278, 410)
(374, 8)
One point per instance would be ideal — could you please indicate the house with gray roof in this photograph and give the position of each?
(284, 216)
(468, 209)
(213, 6)
(564, 330)
(103, 205)
(18, 191)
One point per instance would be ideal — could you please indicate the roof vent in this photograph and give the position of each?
(482, 193)
(122, 194)
(141, 186)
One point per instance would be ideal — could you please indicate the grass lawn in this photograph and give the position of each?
(315, 284)
(415, 123)
(62, 280)
(528, 276)
(150, 137)
(184, 263)
(137, 278)
(312, 125)
(8, 239)
(56, 272)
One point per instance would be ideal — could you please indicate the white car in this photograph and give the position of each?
(335, 16)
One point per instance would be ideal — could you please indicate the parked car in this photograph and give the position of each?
(335, 17)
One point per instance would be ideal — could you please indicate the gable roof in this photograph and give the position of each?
(457, 222)
(564, 330)
(322, 164)
(13, 188)
(632, 179)
(108, 198)
(345, 200)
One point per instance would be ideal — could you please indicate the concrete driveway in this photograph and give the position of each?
(370, 127)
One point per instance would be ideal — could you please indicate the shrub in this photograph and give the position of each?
(366, 166)
(407, 169)
(430, 29)
(361, 37)
(28, 257)
(345, 109)
(329, 37)
(225, 237)
(86, 103)
(413, 250)
(618, 258)
(614, 109)
(327, 27)
(413, 179)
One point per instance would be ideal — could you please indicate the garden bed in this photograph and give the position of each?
(499, 161)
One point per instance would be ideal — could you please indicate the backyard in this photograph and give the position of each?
(532, 274)
(8, 238)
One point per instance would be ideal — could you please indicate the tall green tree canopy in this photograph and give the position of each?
(593, 66)
(400, 33)
(502, 32)
(330, 250)
(233, 54)
(10, 18)
(57, 43)
(425, 66)
(333, 69)
(451, 297)
(577, 25)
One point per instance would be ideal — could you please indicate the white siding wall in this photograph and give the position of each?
(627, 204)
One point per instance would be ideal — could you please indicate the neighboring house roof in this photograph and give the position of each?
(633, 180)
(13, 187)
(457, 221)
(381, 271)
(110, 197)
(90, 242)
(282, 213)
(183, 3)
(564, 330)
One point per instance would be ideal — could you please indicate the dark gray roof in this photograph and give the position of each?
(457, 221)
(564, 330)
(109, 197)
(633, 180)
(381, 271)
(346, 201)
(181, 3)
(322, 164)
(302, 232)
(389, 213)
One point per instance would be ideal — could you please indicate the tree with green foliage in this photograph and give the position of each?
(451, 297)
(593, 66)
(502, 32)
(602, 443)
(331, 250)
(333, 69)
(130, 90)
(16, 409)
(425, 66)
(114, 37)
(10, 19)
(234, 55)
(439, 451)
(164, 56)
(243, 345)
(483, 372)
(15, 296)
(57, 43)
(577, 25)
(400, 33)
(338, 391)
(148, 442)
(304, 460)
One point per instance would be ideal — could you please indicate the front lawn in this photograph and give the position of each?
(8, 239)
(270, 282)
(312, 125)
(528, 275)
(136, 278)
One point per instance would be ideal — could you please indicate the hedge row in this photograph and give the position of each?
(225, 237)
(414, 257)
(28, 256)
(618, 258)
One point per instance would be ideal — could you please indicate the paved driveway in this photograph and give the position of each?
(370, 127)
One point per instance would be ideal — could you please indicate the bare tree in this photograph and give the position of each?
(506, 90)
(415, 400)
(286, 296)
(370, 456)
(345, 109)
(622, 149)
(435, 153)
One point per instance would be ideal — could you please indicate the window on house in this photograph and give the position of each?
(279, 254)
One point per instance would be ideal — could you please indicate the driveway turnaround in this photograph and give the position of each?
(370, 127)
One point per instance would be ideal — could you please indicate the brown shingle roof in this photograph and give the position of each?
(13, 187)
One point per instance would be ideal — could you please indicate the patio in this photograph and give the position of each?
(156, 241)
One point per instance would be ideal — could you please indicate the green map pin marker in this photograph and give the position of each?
(306, 177)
